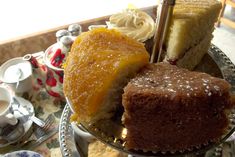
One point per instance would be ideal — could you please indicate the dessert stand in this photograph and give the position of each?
(215, 63)
(113, 133)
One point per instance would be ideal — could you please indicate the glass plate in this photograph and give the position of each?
(215, 63)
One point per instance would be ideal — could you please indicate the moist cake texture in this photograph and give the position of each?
(100, 64)
(190, 31)
(167, 108)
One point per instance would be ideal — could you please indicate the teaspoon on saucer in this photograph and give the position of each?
(24, 111)
(18, 76)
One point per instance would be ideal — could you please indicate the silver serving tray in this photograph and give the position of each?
(215, 63)
(68, 145)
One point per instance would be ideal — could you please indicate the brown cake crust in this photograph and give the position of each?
(173, 109)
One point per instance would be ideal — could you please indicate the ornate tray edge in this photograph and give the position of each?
(225, 64)
(66, 135)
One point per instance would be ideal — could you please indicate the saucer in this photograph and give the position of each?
(23, 153)
(24, 122)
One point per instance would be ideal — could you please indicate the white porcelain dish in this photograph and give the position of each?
(82, 133)
(77, 128)
(25, 122)
(9, 77)
(23, 153)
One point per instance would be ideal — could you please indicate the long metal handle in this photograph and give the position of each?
(30, 145)
(24, 111)
(38, 121)
(44, 138)
(164, 14)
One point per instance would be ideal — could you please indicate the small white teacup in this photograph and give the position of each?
(6, 115)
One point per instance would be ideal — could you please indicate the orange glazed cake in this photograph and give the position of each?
(100, 64)
(167, 108)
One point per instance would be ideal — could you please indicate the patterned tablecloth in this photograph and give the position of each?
(44, 105)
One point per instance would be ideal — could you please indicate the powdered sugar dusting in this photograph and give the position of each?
(170, 80)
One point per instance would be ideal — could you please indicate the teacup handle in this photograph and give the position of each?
(11, 119)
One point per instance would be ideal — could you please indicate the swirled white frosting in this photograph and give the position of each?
(134, 23)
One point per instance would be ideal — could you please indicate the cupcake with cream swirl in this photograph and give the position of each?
(134, 23)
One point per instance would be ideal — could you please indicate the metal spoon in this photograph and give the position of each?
(24, 111)
(18, 76)
(44, 136)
